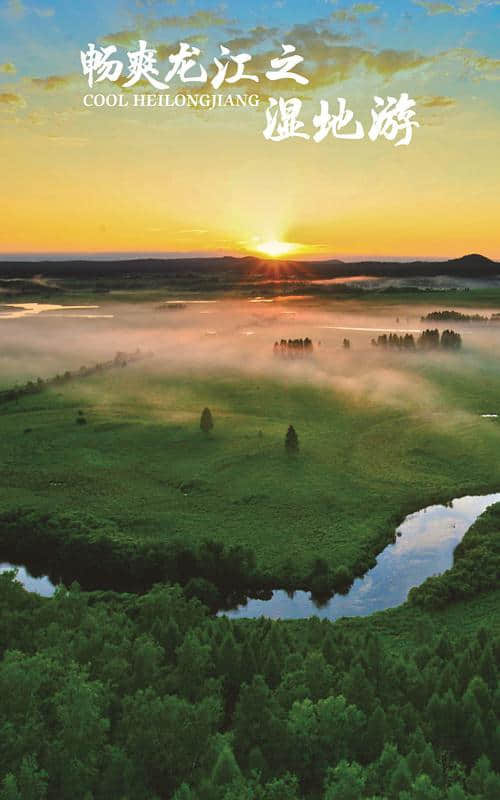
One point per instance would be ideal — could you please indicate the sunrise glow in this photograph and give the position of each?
(307, 198)
(276, 249)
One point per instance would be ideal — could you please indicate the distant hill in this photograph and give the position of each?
(472, 265)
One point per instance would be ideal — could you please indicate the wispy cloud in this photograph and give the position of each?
(71, 141)
(200, 19)
(52, 82)
(123, 38)
(353, 13)
(480, 67)
(11, 101)
(43, 12)
(365, 8)
(458, 8)
(435, 101)
(16, 10)
(255, 36)
(145, 26)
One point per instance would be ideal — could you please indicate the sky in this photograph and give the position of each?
(190, 181)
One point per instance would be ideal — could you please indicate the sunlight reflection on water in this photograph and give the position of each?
(424, 548)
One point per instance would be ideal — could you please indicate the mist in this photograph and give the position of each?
(210, 337)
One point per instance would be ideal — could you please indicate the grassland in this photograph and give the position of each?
(143, 462)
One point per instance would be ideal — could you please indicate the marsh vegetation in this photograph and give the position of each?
(186, 476)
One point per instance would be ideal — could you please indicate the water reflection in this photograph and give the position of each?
(17, 310)
(424, 546)
(42, 585)
(369, 330)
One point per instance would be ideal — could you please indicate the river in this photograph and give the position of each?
(424, 546)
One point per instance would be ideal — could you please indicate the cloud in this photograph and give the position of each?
(436, 8)
(127, 38)
(342, 15)
(435, 101)
(458, 8)
(163, 51)
(314, 40)
(200, 19)
(326, 65)
(35, 118)
(352, 14)
(364, 8)
(146, 25)
(255, 36)
(52, 82)
(11, 101)
(8, 68)
(335, 63)
(15, 9)
(43, 12)
(123, 38)
(483, 67)
(71, 141)
(389, 62)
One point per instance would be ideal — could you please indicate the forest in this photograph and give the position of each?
(142, 697)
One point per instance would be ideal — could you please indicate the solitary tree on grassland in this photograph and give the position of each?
(291, 440)
(206, 421)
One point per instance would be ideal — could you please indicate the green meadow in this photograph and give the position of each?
(142, 461)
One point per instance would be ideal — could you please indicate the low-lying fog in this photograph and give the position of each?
(215, 335)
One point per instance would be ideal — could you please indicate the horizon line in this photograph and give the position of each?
(130, 255)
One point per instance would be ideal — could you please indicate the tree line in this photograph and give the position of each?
(121, 359)
(453, 316)
(429, 339)
(93, 551)
(476, 566)
(293, 348)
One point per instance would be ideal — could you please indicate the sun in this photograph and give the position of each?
(275, 249)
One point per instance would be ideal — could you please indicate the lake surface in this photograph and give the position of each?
(17, 310)
(424, 546)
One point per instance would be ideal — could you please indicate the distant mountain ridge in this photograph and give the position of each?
(472, 265)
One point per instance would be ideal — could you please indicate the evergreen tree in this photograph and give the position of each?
(400, 779)
(422, 789)
(455, 792)
(206, 421)
(10, 790)
(291, 440)
(375, 734)
(226, 769)
(284, 788)
(345, 782)
(184, 792)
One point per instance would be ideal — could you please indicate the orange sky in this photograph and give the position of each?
(189, 181)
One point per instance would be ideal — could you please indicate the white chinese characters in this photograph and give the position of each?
(142, 66)
(390, 117)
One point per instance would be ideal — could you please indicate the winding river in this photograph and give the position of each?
(424, 546)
